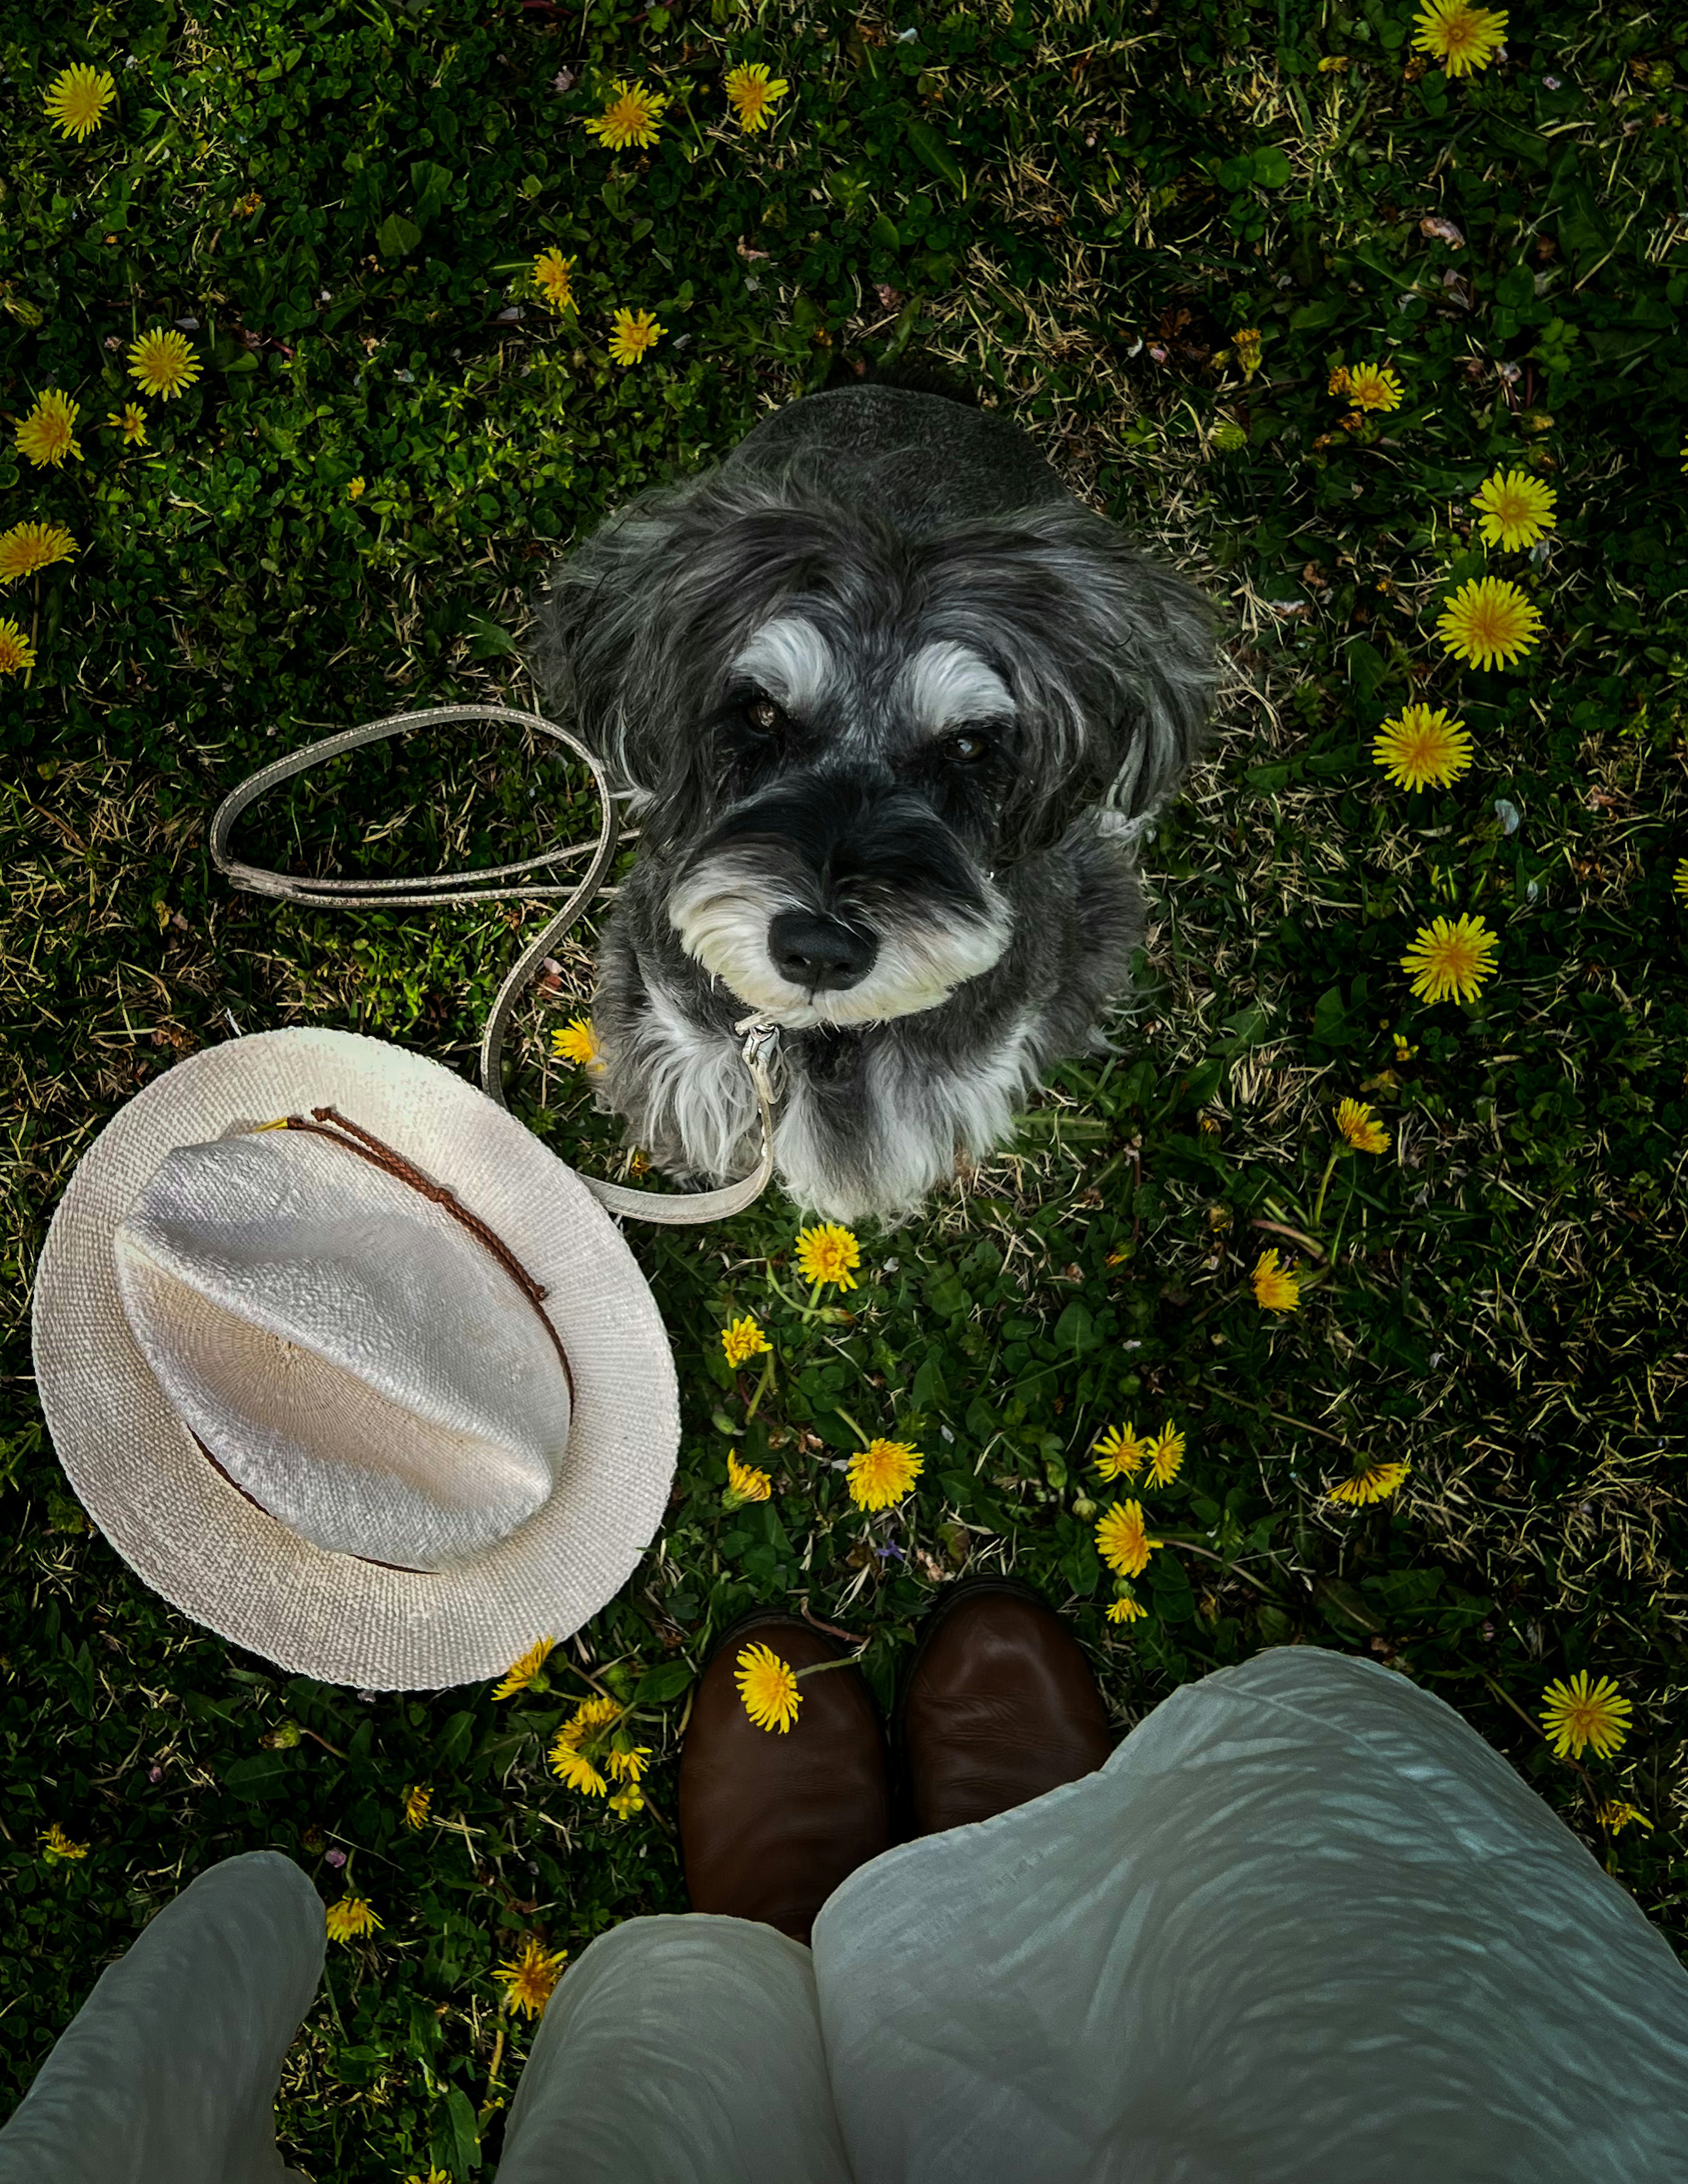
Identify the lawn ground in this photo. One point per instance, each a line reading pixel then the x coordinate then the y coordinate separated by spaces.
pixel 1077 209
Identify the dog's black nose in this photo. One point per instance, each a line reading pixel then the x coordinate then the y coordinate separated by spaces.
pixel 820 953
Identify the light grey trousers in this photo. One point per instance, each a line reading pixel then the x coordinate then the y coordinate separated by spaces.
pixel 1304 1927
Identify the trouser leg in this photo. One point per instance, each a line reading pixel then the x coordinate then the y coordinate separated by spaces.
pixel 1304 1927
pixel 167 2074
pixel 678 2051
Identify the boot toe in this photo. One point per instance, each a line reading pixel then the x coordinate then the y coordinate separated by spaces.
pixel 1001 1707
pixel 772 1821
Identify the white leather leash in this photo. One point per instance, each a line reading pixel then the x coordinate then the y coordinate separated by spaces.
pixel 760 1040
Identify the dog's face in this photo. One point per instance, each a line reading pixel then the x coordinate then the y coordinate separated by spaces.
pixel 845 874
pixel 843 739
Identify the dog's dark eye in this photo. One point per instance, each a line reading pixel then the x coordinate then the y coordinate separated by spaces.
pixel 763 717
pixel 965 748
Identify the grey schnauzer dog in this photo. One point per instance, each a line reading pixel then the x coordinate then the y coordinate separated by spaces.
pixel 893 706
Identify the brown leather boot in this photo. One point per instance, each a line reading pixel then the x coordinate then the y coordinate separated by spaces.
pixel 771 1821
pixel 999 1706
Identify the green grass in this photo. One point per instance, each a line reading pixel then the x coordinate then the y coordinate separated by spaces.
pixel 1075 208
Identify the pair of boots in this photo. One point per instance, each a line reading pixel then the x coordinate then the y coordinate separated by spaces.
pixel 998 1706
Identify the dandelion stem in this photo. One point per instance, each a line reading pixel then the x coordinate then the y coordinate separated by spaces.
pixel 587 1677
pixel 1324 1183
pixel 863 1438
pixel 1295 1236
pixel 805 1312
pixel 831 1630
pixel 762 1386
pixel 819 1668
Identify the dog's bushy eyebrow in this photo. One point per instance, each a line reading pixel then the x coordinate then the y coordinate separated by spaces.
pixel 945 683
pixel 790 656
pixel 1109 655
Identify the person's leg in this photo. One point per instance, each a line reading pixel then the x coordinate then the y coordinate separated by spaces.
pixel 679 2050
pixel 167 2074
pixel 688 2050
pixel 1305 1924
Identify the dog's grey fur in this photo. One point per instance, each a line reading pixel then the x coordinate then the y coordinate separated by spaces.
pixel 882 566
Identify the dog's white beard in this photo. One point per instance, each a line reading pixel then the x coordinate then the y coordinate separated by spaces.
pixel 722 914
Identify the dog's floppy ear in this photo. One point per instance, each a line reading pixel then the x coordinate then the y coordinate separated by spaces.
pixel 1112 657
pixel 1161 636
pixel 598 629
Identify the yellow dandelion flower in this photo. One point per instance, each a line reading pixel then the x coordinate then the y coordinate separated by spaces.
pixel 551 272
pixel 1374 386
pixel 1361 1127
pixel 245 207
pixel 1122 1539
pixel 27 547
pixel 1338 382
pixel 628 1764
pixel 576 1771
pixel 828 1254
pixel 16 652
pixel 632 333
pixel 1119 1453
pixel 768 1686
pixel 1166 1457
pixel 1460 36
pixel 1450 960
pixel 1419 748
pixel 56 1847
pixel 1582 1713
pixel 355 489
pixel 1680 883
pixel 77 99
pixel 1376 1482
pixel 571 1762
pixel 1127 1607
pixel 1489 620
pixel 743 1340
pixel 350 1917
pixel 48 433
pixel 1404 1051
pixel 528 1674
pixel 1514 509
pixel 531 1979
pixel 131 421
pixel 1615 1815
pixel 751 94
pixel 418 1800
pixel 593 1713
pixel 162 364
pixel 1245 346
pixel 575 1042
pixel 1275 1288
pixel 633 116
pixel 744 1482
pixel 883 1472
pixel 434 2177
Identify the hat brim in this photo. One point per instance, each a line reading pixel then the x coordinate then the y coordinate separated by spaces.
pixel 194 1538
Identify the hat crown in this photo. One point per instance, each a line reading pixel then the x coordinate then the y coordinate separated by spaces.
pixel 352 1358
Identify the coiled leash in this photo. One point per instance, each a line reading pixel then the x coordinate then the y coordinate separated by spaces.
pixel 761 1045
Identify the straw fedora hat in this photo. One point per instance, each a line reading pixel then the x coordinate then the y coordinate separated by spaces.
pixel 384 1398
